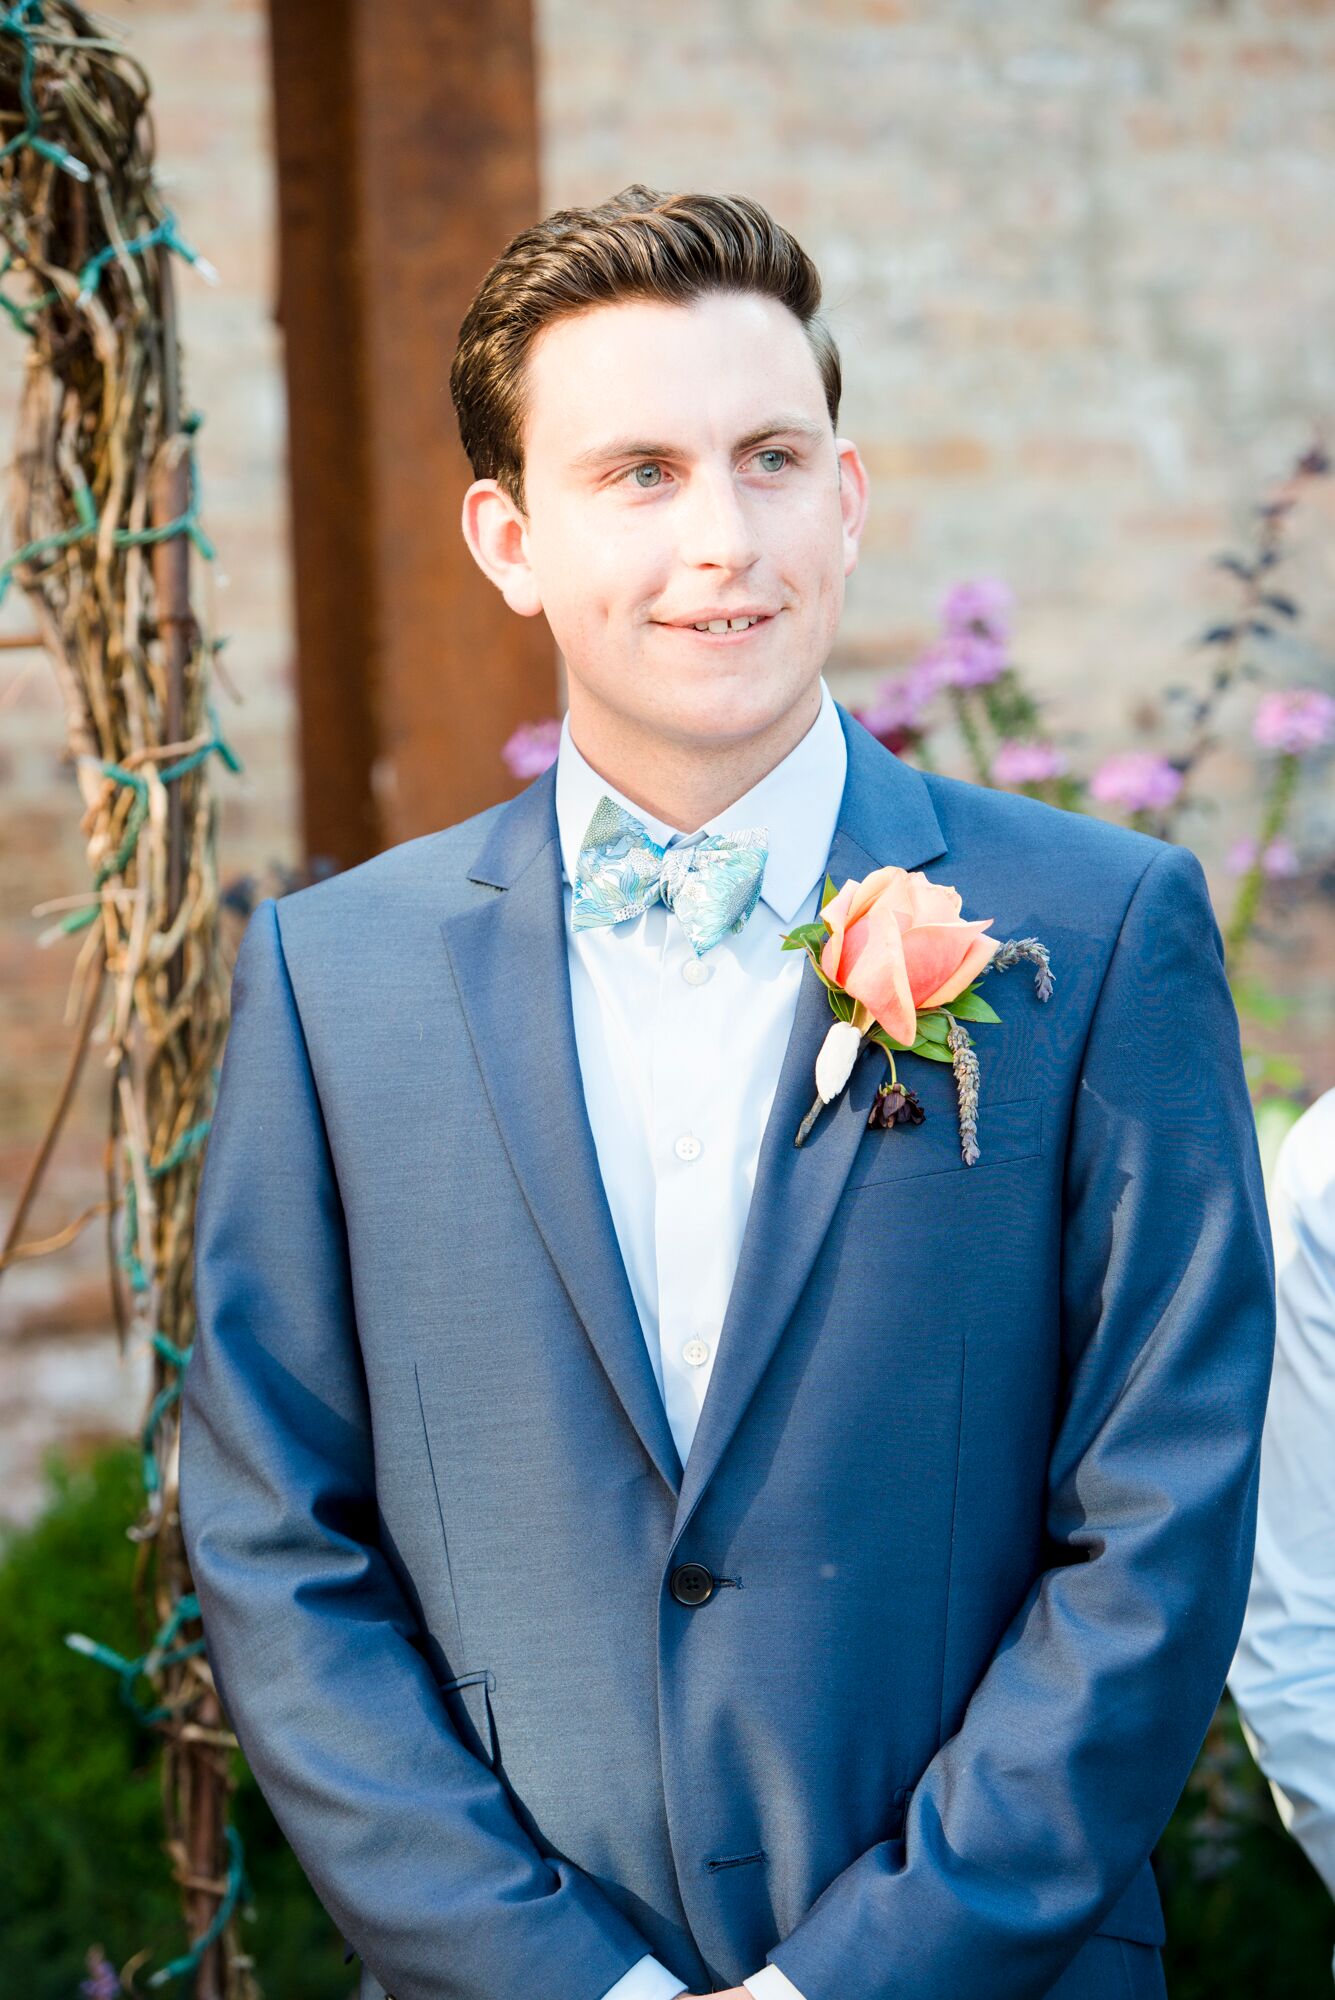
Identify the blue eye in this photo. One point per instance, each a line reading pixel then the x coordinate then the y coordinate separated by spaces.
pixel 652 466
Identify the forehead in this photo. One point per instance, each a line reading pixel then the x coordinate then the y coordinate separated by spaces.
pixel 698 373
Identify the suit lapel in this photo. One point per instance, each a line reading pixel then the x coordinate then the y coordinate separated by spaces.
pixel 509 957
pixel 510 965
pixel 886 815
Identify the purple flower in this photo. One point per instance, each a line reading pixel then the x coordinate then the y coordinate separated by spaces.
pixel 961 660
pixel 1294 720
pixel 532 747
pixel 1279 859
pixel 982 606
pixel 896 705
pixel 1136 780
pixel 1027 763
pixel 104 1983
pixel 927 676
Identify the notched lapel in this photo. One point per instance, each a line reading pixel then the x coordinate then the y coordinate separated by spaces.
pixel 886 817
pixel 508 954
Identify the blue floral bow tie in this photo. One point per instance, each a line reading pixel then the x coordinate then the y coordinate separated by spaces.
pixel 712 885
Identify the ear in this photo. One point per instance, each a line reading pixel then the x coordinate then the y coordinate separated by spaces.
pixel 497 536
pixel 854 488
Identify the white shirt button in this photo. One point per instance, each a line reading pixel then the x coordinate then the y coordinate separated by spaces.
pixel 695 972
pixel 695 1351
pixel 688 1147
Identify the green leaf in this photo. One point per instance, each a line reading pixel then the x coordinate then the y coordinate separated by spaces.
pixel 971 1006
pixel 805 935
pixel 824 978
pixel 932 1027
pixel 827 892
pixel 933 1051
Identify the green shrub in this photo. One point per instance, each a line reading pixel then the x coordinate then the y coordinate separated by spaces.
pixel 81 1854
pixel 1247 1913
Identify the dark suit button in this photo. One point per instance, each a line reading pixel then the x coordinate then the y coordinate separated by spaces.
pixel 691 1583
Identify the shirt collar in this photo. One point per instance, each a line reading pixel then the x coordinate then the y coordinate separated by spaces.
pixel 798 801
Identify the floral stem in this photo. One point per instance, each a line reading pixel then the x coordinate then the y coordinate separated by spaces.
pixel 808 1121
pixel 969 730
pixel 1249 889
pixel 816 1108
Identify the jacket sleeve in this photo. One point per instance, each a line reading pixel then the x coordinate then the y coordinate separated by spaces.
pixel 407 1838
pixel 1030 1821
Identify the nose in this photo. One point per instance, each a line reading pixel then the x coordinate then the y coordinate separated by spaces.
pixel 717 527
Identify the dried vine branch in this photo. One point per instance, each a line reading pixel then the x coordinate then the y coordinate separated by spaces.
pixel 105 520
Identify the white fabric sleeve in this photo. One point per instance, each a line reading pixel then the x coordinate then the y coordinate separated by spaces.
pixel 771 1984
pixel 1283 1673
pixel 648 1979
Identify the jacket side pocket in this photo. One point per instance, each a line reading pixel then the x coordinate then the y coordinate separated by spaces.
pixel 468 1703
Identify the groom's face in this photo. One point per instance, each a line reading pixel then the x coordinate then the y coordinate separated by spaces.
pixel 680 465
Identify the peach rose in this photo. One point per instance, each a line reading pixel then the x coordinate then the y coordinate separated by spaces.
pixel 897 943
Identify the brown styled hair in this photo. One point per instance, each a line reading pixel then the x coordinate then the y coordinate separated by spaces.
pixel 638 245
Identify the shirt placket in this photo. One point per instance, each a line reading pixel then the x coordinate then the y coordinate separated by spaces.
pixel 691 1178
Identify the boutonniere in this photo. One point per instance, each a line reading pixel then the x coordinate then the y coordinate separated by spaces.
pixel 898 964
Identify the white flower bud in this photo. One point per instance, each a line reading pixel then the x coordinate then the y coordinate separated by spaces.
pixel 834 1064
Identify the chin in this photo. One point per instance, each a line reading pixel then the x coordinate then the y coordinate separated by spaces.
pixel 737 723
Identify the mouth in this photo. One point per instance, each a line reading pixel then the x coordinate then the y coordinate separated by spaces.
pixel 725 631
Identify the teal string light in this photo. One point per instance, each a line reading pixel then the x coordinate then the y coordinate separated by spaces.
pixel 238 1891
pixel 162 1653
pixel 161 232
pixel 24 317
pixel 16 23
pixel 78 920
pixel 134 820
pixel 130 1260
pixel 178 1356
pixel 189 1142
pixel 122 538
pixel 148 1460
pixel 86 527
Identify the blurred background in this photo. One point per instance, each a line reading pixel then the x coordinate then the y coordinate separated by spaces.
pixel 1078 261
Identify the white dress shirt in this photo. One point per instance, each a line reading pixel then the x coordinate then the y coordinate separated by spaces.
pixel 1283 1673
pixel 680 1060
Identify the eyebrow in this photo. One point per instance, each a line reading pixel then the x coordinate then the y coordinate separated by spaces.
pixel 785 425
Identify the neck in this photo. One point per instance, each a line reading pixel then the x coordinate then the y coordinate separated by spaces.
pixel 683 780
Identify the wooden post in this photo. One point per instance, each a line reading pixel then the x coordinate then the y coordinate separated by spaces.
pixel 406 145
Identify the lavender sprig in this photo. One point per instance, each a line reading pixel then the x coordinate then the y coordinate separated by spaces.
pixel 1016 949
pixel 964 1058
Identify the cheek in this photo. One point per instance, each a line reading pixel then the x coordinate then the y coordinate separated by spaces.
pixel 812 556
pixel 594 576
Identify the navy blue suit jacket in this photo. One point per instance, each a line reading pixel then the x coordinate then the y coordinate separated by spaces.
pixel 975 1474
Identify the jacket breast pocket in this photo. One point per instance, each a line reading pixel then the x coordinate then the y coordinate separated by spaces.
pixel 1006 1133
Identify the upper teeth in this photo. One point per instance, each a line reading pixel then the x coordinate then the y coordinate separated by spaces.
pixel 727 624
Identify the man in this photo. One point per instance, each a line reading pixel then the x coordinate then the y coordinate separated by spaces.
pixel 639 1554
pixel 1281 1676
